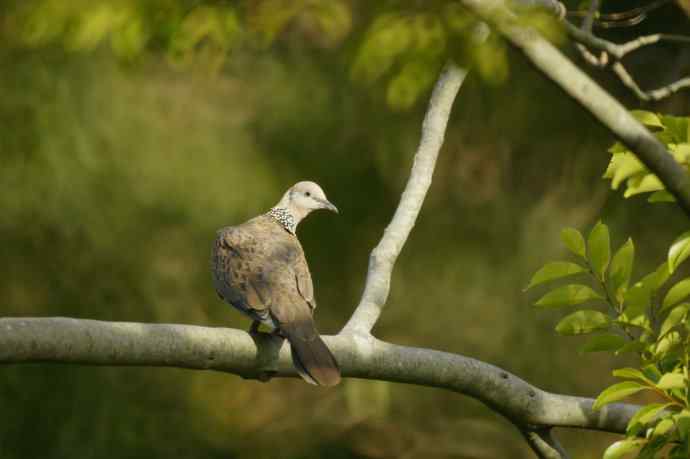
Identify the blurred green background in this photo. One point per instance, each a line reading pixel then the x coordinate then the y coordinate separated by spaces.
pixel 131 131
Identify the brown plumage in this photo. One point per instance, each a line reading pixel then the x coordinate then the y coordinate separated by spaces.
pixel 259 267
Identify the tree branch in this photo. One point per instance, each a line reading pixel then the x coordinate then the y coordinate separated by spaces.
pixel 382 258
pixel 618 51
pixel 544 444
pixel 607 110
pixel 92 342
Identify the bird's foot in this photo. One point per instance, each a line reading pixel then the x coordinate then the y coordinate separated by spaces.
pixel 278 333
pixel 254 330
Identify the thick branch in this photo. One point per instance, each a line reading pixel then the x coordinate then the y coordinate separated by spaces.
pixel 91 342
pixel 382 258
pixel 607 110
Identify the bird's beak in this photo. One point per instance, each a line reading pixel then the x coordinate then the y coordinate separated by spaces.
pixel 329 206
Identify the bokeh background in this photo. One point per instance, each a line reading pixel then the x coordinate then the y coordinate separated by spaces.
pixel 131 131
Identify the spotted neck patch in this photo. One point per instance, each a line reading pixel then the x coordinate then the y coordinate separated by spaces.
pixel 284 217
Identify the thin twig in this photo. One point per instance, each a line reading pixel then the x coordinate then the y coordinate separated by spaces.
pixel 647 40
pixel 382 258
pixel 589 18
pixel 543 443
pixel 618 51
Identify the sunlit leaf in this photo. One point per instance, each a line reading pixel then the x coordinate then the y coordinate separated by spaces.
pixel 621 268
pixel 617 392
pixel 553 271
pixel 643 184
pixel 679 251
pixel 645 415
pixel 631 373
pixel 490 59
pixel 675 317
pixel 661 196
pixel 676 128
pixel 676 294
pixel 387 39
pixel 585 321
pixel 668 344
pixel 623 447
pixel 415 77
pixel 681 152
pixel 599 249
pixel 622 166
pixel 603 343
pixel 663 427
pixel 671 381
pixel 568 295
pixel 574 241
pixel 647 118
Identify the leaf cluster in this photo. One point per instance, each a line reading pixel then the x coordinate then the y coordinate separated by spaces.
pixel 624 167
pixel 648 317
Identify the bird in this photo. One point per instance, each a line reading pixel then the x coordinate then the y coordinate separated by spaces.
pixel 259 267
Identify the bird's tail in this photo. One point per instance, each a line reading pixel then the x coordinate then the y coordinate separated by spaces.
pixel 312 359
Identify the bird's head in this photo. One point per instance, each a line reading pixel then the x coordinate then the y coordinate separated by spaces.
pixel 303 198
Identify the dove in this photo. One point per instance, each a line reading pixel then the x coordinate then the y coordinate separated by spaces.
pixel 259 267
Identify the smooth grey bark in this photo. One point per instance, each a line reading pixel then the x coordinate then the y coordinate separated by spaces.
pixel 586 92
pixel 382 258
pixel 544 443
pixel 92 342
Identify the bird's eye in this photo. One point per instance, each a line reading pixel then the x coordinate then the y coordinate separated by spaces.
pixel 308 193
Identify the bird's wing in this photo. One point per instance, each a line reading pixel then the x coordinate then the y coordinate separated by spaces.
pixel 239 275
pixel 304 283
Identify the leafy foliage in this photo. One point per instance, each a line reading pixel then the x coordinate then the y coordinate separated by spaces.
pixel 624 166
pixel 631 318
pixel 403 46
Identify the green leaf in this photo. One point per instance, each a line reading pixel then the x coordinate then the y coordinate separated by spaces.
pixel 652 373
pixel 603 343
pixel 637 299
pixel 599 249
pixel 581 322
pixel 622 166
pixel 671 381
pixel 621 268
pixel 659 277
pixel 631 373
pixel 643 184
pixel 679 251
pixel 663 427
pixel 632 346
pixel 675 317
pixel 683 422
pixel 574 241
pixel 646 414
pixel 553 271
pixel 647 118
pixel 676 128
pixel 661 196
pixel 623 447
pixel 568 295
pixel 617 392
pixel 681 152
pixel 676 294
